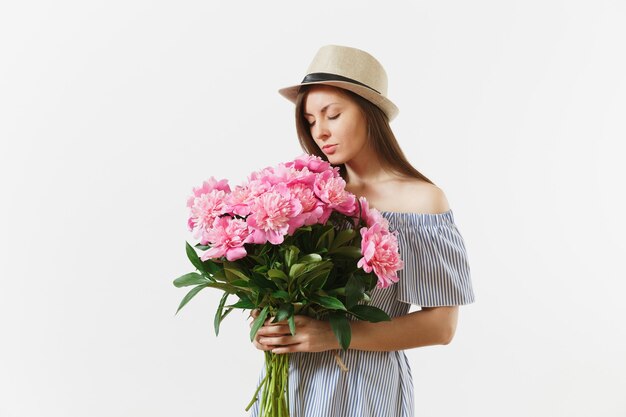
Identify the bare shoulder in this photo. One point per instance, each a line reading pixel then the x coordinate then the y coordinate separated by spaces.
pixel 422 197
pixel 409 195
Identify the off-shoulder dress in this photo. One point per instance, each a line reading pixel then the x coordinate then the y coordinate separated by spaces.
pixel 379 384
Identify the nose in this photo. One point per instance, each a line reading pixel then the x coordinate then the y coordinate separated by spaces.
pixel 320 130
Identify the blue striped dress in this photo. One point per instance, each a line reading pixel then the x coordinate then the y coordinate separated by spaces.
pixel 436 273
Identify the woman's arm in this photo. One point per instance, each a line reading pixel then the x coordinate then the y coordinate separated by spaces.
pixel 429 326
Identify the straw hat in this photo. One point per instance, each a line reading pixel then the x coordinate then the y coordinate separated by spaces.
pixel 351 69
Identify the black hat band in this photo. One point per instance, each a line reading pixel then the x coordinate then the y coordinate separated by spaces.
pixel 324 76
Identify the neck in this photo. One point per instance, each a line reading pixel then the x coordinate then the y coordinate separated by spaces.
pixel 364 170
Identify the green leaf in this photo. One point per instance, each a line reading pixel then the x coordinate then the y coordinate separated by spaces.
pixel 211 267
pixel 369 313
pixel 354 291
pixel 258 322
pixel 330 238
pixel 302 229
pixel 316 273
pixel 343 237
pixel 277 274
pixel 337 291
pixel 192 293
pixel 232 268
pixel 284 312
pixel 317 279
pixel 291 255
pixel 326 239
pixel 348 251
pixel 193 257
pixel 265 248
pixel 331 303
pixel 341 327
pixel 243 304
pixel 227 312
pixel 281 294
pixel 221 286
pixel 260 269
pixel 240 283
pixel 369 280
pixel 192 278
pixel 292 325
pixel 296 270
pixel 311 257
pixel 262 282
pixel 219 275
pixel 218 314
pixel 231 275
pixel 258 259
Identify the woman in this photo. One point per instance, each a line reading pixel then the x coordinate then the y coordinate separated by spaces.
pixel 342 115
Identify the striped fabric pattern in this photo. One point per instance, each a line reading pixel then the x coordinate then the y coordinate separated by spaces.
pixel 436 270
pixel 436 273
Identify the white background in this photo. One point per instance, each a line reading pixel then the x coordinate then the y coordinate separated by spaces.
pixel 111 111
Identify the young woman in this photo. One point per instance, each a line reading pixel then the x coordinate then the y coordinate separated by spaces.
pixel 343 115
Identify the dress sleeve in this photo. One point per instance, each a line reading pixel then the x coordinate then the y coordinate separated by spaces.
pixel 436 269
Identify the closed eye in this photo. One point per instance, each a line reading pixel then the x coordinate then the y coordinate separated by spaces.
pixel 311 124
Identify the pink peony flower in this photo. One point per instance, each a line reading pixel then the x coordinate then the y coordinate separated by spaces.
pixel 264 173
pixel 206 204
pixel 208 186
pixel 271 214
pixel 371 215
pixel 273 175
pixel 227 236
pixel 380 254
pixel 313 163
pixel 241 199
pixel 331 190
pixel 312 207
pixel 238 201
pixel 284 175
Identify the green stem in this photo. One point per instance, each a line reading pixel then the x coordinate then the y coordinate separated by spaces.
pixel 274 399
pixel 254 397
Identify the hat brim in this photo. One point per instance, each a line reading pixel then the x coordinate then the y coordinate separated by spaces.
pixel 390 109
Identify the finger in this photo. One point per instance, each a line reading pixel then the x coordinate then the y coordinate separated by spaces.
pixel 261 346
pixel 277 340
pixel 263 343
pixel 270 322
pixel 300 320
pixel 285 349
pixel 274 330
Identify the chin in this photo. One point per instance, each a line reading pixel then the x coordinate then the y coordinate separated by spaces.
pixel 335 159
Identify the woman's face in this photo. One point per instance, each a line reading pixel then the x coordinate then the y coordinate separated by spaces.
pixel 337 124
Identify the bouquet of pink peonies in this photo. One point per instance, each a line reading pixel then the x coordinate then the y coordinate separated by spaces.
pixel 291 240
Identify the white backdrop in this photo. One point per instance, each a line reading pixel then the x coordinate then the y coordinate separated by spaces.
pixel 111 111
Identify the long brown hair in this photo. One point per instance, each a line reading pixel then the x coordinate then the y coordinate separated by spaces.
pixel 379 135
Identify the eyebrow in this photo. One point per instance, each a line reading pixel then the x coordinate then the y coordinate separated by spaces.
pixel 323 109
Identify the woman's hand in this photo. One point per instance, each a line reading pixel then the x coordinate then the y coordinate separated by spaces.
pixel 426 327
pixel 311 335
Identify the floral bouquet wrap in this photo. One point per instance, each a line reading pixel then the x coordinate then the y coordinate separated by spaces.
pixel 291 240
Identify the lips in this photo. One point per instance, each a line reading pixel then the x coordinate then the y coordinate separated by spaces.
pixel 329 149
